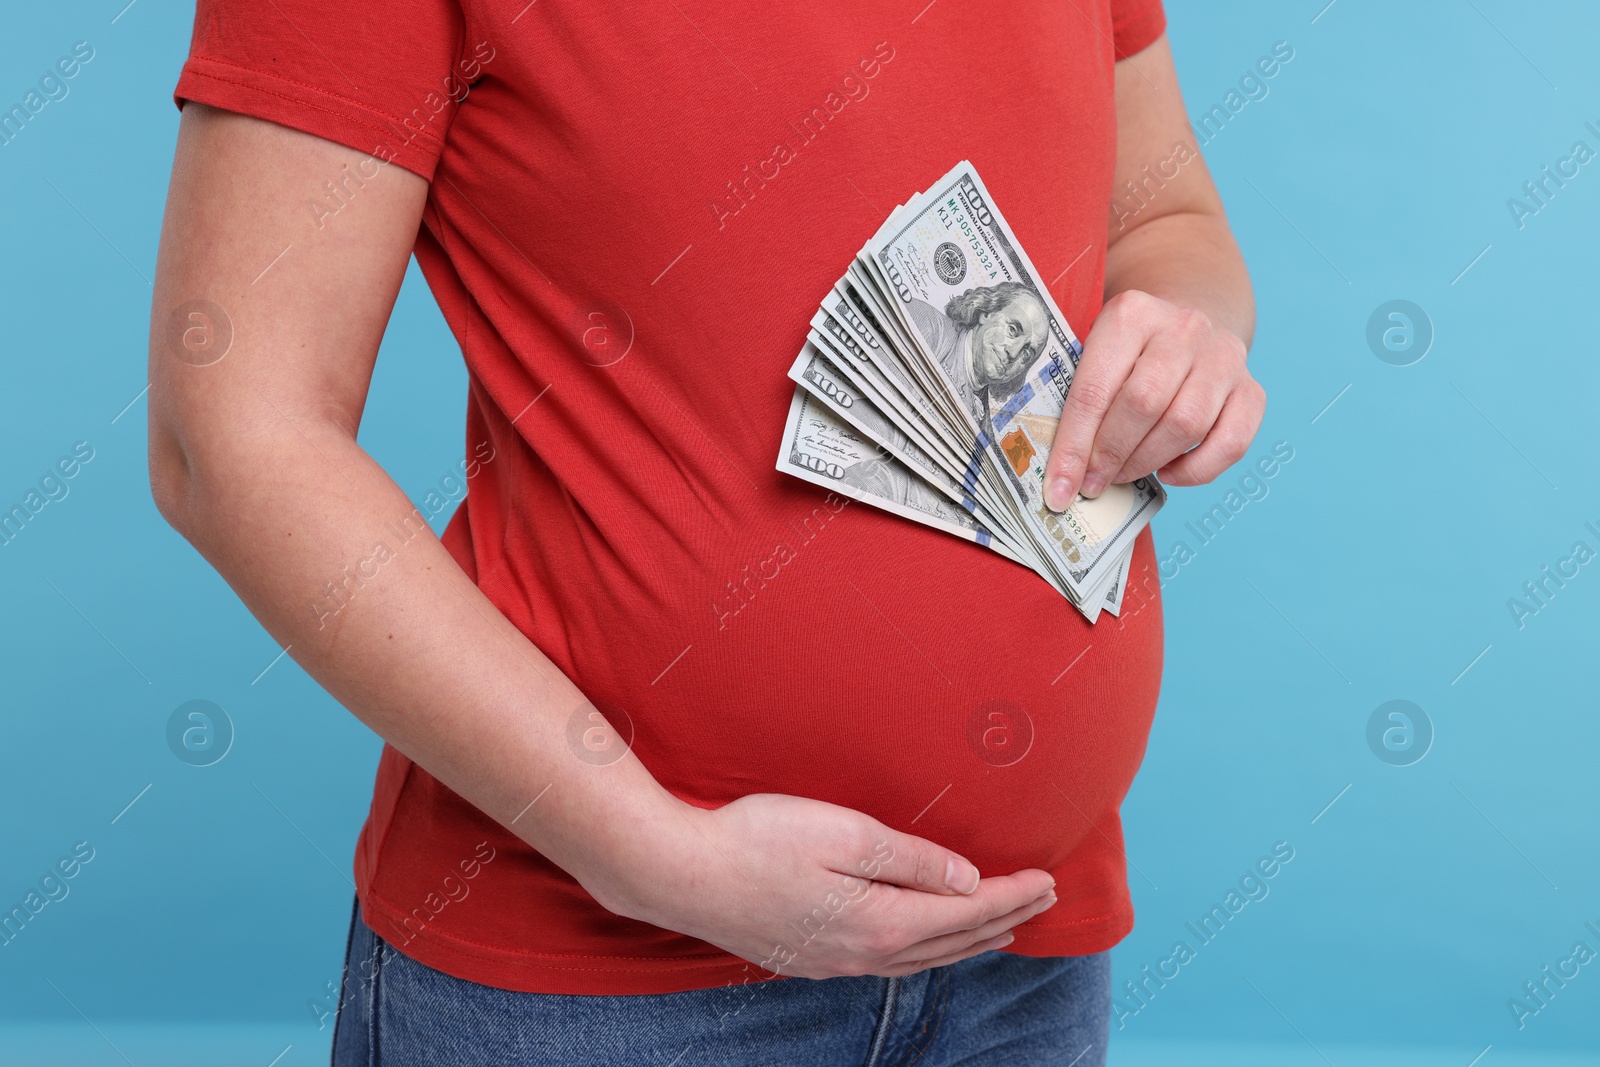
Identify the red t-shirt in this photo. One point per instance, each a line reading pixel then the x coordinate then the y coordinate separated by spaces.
pixel 635 210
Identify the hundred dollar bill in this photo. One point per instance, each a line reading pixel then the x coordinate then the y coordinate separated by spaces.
pixel 819 376
pixel 822 449
pixel 842 347
pixel 952 273
pixel 892 486
pixel 825 386
pixel 842 360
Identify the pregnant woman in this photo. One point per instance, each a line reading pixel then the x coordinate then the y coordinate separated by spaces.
pixel 685 761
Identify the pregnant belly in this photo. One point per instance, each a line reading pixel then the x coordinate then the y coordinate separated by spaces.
pixel 957 699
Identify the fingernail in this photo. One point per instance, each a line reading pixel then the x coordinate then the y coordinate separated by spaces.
pixel 1050 901
pixel 960 876
pixel 1008 939
pixel 1092 484
pixel 1058 493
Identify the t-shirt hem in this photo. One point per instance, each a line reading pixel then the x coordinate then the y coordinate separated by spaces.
pixel 308 109
pixel 1074 937
pixel 598 975
pixel 527 972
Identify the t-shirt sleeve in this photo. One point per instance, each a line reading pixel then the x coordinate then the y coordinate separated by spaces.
pixel 1135 25
pixel 383 77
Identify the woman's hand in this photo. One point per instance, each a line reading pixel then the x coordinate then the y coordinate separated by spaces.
pixel 814 890
pixel 1158 388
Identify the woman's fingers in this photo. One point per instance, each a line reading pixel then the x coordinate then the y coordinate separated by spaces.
pixel 1184 423
pixel 1109 352
pixel 1235 427
pixel 948 944
pixel 1157 378
pixel 1150 385
pixel 898 970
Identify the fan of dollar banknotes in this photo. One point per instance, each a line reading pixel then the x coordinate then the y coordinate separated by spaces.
pixel 931 383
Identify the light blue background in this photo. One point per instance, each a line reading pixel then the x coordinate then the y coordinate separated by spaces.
pixel 1378 567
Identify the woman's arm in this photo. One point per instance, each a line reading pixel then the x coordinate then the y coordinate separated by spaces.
pixel 253 459
pixel 1163 368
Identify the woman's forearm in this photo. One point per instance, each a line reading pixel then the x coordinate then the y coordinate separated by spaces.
pixel 326 551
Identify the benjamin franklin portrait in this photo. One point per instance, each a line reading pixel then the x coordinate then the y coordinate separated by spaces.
pixel 986 338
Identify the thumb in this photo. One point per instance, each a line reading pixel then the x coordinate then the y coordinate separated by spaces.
pixel 917 863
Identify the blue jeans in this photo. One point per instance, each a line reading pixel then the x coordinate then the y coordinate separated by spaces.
pixel 994 1008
